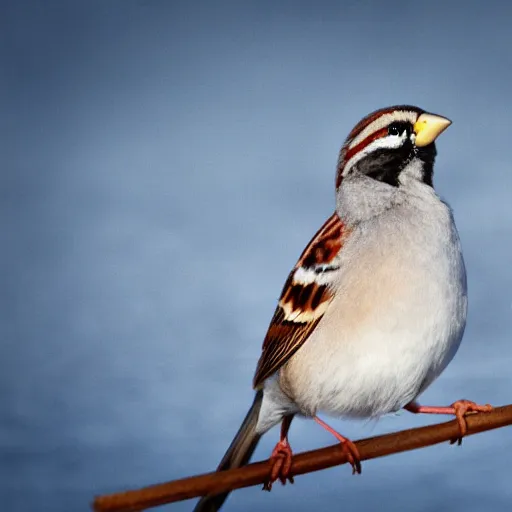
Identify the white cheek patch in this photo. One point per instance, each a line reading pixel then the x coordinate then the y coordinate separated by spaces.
pixel 388 142
pixel 383 121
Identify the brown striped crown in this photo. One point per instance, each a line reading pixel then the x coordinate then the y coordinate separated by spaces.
pixel 372 127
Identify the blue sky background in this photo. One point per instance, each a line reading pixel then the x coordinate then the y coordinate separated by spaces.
pixel 163 165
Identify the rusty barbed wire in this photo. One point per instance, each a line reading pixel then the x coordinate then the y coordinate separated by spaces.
pixel 307 462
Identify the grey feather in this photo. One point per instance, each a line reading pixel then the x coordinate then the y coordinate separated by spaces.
pixel 238 454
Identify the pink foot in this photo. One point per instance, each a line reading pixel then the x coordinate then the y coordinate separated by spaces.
pixel 352 454
pixel 459 409
pixel 348 447
pixel 280 464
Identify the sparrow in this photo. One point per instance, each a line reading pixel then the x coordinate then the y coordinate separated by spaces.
pixel 374 309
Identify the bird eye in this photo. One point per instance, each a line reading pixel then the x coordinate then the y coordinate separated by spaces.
pixel 396 128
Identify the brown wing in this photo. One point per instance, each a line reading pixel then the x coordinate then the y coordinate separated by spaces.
pixel 304 299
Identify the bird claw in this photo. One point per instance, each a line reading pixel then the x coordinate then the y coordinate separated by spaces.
pixel 348 447
pixel 280 465
pixel 461 408
pixel 352 454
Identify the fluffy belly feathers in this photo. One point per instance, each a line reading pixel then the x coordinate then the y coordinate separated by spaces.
pixel 385 338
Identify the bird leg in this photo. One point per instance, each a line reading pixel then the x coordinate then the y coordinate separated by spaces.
pixel 349 448
pixel 459 409
pixel 281 458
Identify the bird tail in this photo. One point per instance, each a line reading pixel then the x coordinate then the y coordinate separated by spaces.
pixel 238 454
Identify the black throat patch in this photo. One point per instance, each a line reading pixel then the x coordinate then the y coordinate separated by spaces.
pixel 386 164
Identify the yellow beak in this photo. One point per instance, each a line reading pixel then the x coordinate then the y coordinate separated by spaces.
pixel 428 127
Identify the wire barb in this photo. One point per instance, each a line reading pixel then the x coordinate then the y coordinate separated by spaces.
pixel 307 462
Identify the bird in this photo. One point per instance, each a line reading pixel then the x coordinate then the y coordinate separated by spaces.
pixel 375 307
